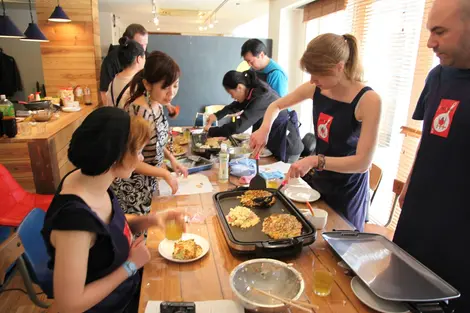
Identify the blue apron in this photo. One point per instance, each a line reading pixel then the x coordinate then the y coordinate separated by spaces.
pixel 337 132
pixel 436 212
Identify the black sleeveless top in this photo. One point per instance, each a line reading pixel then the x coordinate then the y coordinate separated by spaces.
pixel 110 251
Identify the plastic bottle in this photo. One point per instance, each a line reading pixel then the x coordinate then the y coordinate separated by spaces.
pixel 6 107
pixel 223 163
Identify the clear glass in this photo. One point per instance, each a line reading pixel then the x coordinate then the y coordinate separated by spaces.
pixel 41 128
pixel 323 279
pixel 173 230
pixel 24 129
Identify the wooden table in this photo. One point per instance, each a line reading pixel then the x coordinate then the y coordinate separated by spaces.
pixel 39 161
pixel 208 278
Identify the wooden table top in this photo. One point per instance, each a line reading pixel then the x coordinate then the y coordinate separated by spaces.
pixel 53 126
pixel 208 278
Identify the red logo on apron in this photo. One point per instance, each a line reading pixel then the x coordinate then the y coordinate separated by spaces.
pixel 443 118
pixel 324 124
pixel 127 232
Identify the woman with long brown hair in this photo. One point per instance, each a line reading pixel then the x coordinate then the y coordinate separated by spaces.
pixel 156 85
pixel 346 116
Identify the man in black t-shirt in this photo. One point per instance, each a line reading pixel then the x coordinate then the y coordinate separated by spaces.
pixel 111 66
pixel 436 208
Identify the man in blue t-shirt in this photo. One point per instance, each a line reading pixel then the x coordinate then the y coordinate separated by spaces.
pixel 254 52
pixel 436 207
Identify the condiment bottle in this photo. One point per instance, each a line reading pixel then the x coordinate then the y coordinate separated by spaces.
pixel 87 96
pixel 223 163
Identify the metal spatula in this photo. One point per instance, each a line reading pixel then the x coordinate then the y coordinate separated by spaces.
pixel 257 182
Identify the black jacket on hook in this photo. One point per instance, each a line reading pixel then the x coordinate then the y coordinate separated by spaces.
pixel 10 79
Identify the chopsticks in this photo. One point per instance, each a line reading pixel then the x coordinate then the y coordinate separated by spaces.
pixel 310 208
pixel 306 307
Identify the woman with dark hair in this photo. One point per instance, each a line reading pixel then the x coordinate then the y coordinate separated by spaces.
pixel 151 88
pixel 252 97
pixel 131 56
pixel 93 254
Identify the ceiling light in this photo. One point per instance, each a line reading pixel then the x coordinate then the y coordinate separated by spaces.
pixel 201 28
pixel 33 33
pixel 205 28
pixel 158 28
pixel 7 28
pixel 211 25
pixel 155 20
pixel 59 15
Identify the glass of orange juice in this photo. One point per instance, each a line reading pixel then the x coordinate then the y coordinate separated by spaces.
pixel 273 183
pixel 173 230
pixel 323 280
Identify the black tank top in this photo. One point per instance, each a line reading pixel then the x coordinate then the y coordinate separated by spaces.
pixel 110 251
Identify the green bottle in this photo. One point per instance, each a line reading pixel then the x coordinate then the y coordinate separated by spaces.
pixel 6 107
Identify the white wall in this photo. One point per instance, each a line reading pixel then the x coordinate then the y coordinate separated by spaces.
pixel 110 31
pixel 288 47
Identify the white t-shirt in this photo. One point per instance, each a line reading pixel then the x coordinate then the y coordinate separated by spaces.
pixel 118 85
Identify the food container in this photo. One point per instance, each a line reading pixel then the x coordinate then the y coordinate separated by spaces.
pixel 194 164
pixel 239 152
pixel 318 220
pixel 268 275
pixel 42 115
pixel 66 95
pixel 198 141
pixel 252 241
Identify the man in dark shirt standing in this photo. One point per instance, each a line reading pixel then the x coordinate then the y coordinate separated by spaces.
pixel 111 66
pixel 436 207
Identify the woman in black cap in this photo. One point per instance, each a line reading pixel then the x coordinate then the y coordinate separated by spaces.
pixel 151 88
pixel 94 257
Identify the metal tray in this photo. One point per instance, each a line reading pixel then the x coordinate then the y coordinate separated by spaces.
pixel 200 165
pixel 198 139
pixel 253 240
pixel 390 272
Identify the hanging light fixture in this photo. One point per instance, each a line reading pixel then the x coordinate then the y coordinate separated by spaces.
pixel 33 33
pixel 7 28
pixel 59 15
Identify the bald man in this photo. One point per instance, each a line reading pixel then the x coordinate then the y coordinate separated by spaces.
pixel 434 226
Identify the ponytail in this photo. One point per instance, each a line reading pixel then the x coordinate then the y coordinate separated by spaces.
pixel 352 67
pixel 247 78
pixel 136 87
pixel 324 52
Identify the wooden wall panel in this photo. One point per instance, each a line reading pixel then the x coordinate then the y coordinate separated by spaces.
pixel 321 8
pixel 72 55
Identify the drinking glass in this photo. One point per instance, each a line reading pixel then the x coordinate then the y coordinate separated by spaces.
pixel 323 280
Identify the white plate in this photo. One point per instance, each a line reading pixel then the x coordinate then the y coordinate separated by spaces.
pixel 371 300
pixel 265 153
pixel 166 247
pixel 302 194
pixel 71 109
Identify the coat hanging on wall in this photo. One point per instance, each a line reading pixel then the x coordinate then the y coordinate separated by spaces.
pixel 10 79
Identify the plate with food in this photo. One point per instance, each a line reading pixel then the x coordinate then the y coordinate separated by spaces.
pixel 189 248
pixel 181 140
pixel 178 150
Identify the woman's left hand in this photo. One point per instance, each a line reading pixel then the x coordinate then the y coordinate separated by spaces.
pixel 180 169
pixel 169 215
pixel 302 167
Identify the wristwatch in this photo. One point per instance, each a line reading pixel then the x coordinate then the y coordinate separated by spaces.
pixel 130 268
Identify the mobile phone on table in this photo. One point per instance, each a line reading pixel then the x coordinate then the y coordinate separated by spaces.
pixel 177 307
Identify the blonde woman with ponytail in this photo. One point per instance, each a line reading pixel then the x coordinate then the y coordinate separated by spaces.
pixel 346 116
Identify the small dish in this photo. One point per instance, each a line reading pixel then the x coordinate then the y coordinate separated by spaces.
pixel 371 300
pixel 302 194
pixel 71 109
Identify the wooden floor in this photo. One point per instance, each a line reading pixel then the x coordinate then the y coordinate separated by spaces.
pixel 17 301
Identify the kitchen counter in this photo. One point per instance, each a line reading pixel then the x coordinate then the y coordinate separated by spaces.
pixel 39 161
